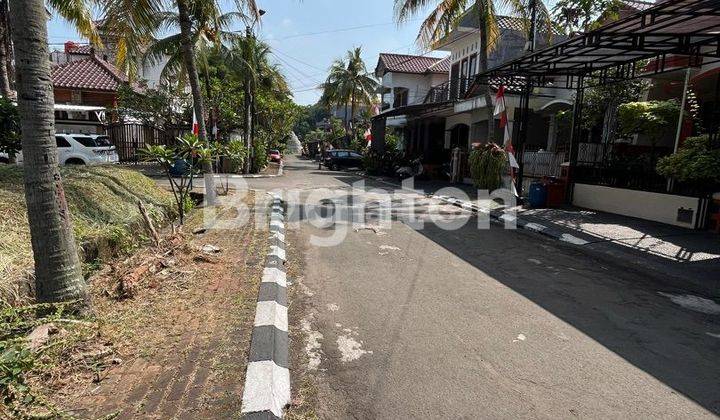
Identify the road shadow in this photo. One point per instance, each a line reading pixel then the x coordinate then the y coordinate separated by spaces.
pixel 624 313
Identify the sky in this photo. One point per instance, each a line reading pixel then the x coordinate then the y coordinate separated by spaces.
pixel 307 35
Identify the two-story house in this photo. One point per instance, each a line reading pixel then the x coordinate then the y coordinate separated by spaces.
pixel 453 113
pixel 406 80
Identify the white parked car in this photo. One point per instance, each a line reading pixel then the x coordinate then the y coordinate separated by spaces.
pixel 80 149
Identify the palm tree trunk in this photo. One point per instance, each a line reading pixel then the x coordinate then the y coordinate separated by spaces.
pixel 5 89
pixel 248 91
pixel 352 117
pixel 189 58
pixel 347 119
pixel 58 275
pixel 483 60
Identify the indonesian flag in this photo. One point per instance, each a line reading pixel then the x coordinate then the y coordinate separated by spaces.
pixel 196 126
pixel 501 110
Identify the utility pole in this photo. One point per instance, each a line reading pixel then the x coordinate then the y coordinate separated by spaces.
pixel 525 102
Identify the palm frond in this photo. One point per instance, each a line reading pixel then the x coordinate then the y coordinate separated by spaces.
pixel 78 13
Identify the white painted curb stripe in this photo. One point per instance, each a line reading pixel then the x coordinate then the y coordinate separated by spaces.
pixel 267 387
pixel 507 217
pixel 573 239
pixel 274 275
pixel 271 313
pixel 535 227
pixel 279 236
pixel 276 251
pixel 277 224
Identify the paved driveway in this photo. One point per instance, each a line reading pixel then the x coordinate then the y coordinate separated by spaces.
pixel 489 323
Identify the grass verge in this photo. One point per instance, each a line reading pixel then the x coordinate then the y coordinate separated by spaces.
pixel 103 202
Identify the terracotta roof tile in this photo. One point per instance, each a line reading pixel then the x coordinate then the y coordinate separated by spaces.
pixel 80 49
pixel 89 73
pixel 413 63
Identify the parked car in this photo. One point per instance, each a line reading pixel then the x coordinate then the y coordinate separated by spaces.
pixel 337 159
pixel 274 156
pixel 80 149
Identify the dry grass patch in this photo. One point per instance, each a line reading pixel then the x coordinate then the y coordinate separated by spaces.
pixel 167 337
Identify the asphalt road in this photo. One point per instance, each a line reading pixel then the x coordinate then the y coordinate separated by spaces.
pixel 487 323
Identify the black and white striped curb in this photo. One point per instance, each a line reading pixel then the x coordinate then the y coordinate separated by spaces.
pixel 267 381
pixel 521 223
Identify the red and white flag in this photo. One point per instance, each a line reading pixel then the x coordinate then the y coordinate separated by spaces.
pixel 196 126
pixel 501 110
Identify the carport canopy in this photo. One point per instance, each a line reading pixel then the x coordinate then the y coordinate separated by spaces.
pixel 622 49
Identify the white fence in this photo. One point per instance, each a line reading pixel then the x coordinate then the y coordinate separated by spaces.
pixel 543 163
pixel 539 164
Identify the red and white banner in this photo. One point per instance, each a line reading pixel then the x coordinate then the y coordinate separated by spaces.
pixel 195 126
pixel 501 110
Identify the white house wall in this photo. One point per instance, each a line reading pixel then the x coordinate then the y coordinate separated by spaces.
pixel 418 86
pixel 641 204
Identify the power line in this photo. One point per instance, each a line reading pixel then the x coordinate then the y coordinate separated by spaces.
pixel 347 29
pixel 299 60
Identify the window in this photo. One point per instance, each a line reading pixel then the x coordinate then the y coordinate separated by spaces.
pixel 473 65
pixel 342 154
pixel 355 155
pixel 87 141
pixel 61 142
pixel 401 97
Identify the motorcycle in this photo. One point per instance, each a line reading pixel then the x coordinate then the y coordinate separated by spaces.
pixel 414 168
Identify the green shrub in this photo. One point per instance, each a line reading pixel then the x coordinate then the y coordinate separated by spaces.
pixel 697 160
pixel 487 164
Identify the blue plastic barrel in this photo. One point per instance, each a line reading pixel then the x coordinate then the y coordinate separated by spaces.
pixel 537 195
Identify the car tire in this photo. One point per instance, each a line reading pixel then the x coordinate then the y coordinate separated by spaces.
pixel 74 161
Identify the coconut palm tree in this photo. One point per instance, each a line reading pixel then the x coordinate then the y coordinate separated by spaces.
pixel 446 15
pixel 248 58
pixel 210 33
pixel 58 274
pixel 349 82
pixel 139 19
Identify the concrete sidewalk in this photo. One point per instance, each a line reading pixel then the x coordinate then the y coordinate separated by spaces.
pixel 689 260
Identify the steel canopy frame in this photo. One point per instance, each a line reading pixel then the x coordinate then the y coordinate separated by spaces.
pixel 677 27
pixel 671 35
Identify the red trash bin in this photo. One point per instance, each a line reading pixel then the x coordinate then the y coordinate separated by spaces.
pixel 556 192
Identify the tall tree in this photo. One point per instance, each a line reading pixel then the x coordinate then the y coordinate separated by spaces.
pixel 349 84
pixel 58 274
pixel 5 89
pixel 448 13
pixel 192 73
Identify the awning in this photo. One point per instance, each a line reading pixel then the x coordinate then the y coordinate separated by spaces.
pixel 619 50
pixel 412 110
pixel 78 108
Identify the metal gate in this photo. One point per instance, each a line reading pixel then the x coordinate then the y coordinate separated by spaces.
pixel 128 138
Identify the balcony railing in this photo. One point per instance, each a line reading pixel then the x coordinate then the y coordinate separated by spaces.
pixel 450 91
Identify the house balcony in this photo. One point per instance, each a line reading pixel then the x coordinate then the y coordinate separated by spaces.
pixel 450 91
